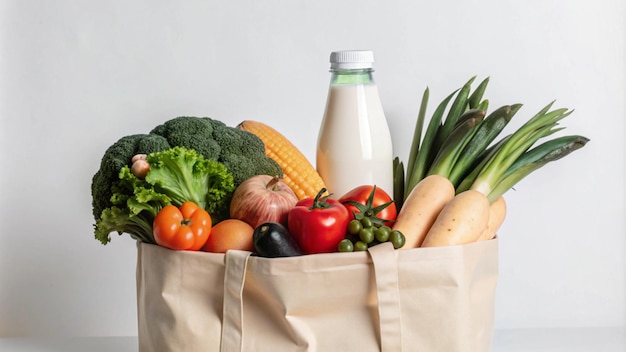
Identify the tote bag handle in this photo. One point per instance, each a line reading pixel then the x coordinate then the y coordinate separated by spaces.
pixel 387 290
pixel 234 279
pixel 388 294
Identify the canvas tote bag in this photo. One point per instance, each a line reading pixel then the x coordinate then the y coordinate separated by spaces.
pixel 426 299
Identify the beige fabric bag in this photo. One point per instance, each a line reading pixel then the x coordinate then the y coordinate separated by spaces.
pixel 426 299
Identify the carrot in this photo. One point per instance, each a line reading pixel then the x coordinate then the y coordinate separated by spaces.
pixel 461 221
pixel 497 213
pixel 421 208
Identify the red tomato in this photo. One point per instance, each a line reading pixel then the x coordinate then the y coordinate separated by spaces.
pixel 376 206
pixel 187 227
pixel 318 224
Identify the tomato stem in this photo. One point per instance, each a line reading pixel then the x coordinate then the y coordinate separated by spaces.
pixel 368 210
pixel 319 202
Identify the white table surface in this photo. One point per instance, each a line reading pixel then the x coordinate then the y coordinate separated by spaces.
pixel 514 340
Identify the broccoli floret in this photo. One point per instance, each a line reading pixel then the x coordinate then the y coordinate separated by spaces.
pixel 240 151
pixel 193 133
pixel 184 175
pixel 243 153
pixel 114 159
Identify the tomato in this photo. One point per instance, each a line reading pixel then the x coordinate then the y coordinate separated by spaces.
pixel 374 201
pixel 319 224
pixel 187 227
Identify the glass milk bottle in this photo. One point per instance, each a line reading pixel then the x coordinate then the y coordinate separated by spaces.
pixel 354 144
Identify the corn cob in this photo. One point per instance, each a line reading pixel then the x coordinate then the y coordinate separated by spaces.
pixel 299 173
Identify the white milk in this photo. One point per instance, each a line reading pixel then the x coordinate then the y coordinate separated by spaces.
pixel 354 145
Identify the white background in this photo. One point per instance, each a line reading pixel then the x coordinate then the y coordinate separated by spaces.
pixel 77 75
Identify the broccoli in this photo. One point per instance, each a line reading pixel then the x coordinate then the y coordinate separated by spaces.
pixel 243 153
pixel 176 175
pixel 114 159
pixel 191 132
pixel 240 151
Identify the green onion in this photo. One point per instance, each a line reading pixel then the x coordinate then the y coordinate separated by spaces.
pixel 426 152
pixel 464 147
pixel 453 145
pixel 486 132
pixel 484 105
pixel 475 100
pixel 485 156
pixel 458 107
pixel 471 113
pixel 398 182
pixel 534 159
pixel 541 125
pixel 417 135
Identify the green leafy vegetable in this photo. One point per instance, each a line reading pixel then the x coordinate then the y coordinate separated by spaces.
pixel 464 147
pixel 184 175
pixel 176 175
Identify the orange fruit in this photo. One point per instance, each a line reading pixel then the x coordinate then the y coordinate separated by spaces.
pixel 230 234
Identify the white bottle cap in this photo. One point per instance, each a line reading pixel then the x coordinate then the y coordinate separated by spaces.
pixel 351 59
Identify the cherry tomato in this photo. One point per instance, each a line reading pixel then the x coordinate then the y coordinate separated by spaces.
pixel 362 194
pixel 187 227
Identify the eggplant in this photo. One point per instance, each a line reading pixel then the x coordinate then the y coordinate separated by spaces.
pixel 273 240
